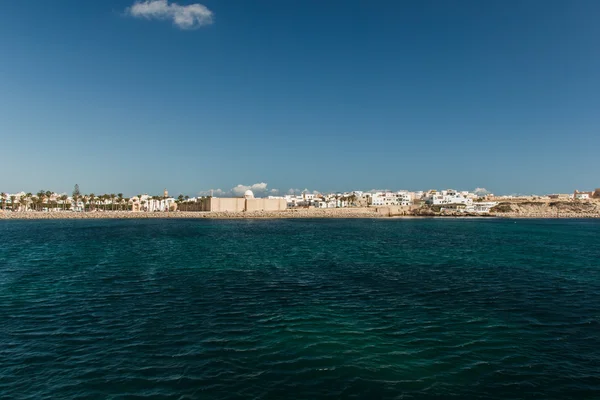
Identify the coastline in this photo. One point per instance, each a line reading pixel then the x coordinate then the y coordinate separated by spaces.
pixel 366 213
pixel 286 214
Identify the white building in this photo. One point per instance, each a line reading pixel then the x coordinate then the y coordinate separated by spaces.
pixel 582 195
pixel 482 206
pixel 150 204
pixel 449 196
pixel 401 198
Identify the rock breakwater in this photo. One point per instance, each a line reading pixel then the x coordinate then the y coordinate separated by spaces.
pixel 291 213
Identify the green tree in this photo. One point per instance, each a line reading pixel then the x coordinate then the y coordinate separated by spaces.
pixel 12 202
pixel 120 197
pixel 40 199
pixel 63 200
pixel 48 199
pixel 76 195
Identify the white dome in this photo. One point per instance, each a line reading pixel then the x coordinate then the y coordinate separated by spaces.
pixel 248 194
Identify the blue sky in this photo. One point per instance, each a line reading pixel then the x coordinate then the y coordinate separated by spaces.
pixel 324 95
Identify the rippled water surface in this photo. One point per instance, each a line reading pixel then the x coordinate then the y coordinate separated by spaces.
pixel 186 309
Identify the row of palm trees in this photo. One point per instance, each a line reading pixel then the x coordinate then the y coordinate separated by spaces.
pixel 105 202
pixel 183 202
pixel 45 199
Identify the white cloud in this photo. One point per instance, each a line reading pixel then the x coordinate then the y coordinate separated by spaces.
pixel 274 191
pixel 239 190
pixel 213 192
pixel 481 191
pixel 192 16
pixel 294 191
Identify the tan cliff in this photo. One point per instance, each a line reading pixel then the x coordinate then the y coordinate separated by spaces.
pixel 548 209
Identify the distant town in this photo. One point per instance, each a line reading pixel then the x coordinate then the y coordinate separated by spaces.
pixel 451 200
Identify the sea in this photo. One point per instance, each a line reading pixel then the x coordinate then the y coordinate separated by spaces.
pixel 300 309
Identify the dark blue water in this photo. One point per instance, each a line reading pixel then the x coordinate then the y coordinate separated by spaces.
pixel 185 309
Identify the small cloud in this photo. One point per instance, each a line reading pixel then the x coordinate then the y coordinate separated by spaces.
pixel 481 191
pixel 239 190
pixel 294 191
pixel 377 190
pixel 212 192
pixel 192 16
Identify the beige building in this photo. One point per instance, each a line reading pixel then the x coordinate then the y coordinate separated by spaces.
pixel 242 204
pixel 587 195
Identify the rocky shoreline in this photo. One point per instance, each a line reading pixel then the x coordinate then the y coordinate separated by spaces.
pixel 546 215
pixel 292 213
pixel 372 212
pixel 548 209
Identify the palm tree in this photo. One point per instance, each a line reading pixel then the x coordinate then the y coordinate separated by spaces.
pixel 120 196
pixel 63 200
pixel 40 199
pixel 48 197
pixel 3 200
pixel 92 198
pixel 12 202
pixel 353 199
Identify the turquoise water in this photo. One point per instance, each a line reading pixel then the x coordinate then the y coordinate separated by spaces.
pixel 185 309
